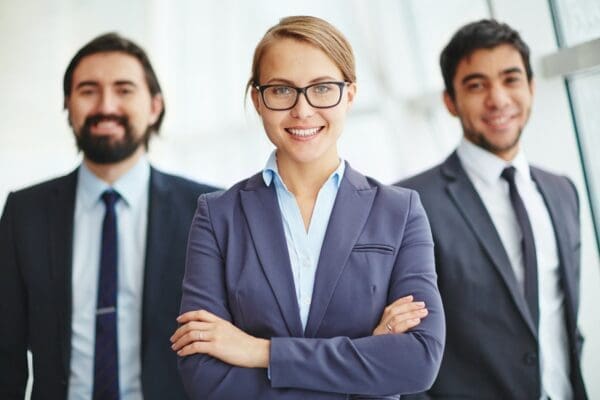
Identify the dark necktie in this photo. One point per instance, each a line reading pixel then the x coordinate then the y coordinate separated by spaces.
pixel 527 244
pixel 106 358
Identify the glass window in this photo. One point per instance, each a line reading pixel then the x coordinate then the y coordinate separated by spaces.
pixel 585 96
pixel 578 20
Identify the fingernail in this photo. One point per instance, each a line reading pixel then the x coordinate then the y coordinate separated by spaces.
pixel 420 303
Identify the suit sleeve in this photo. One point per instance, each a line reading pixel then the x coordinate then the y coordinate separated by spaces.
pixel 341 365
pixel 401 363
pixel 13 309
pixel 203 376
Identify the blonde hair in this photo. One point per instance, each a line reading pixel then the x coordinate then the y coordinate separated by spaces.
pixel 311 30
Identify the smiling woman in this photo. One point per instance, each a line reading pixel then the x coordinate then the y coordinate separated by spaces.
pixel 308 279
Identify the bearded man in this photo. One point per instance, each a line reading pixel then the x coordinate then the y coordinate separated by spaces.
pixel 92 262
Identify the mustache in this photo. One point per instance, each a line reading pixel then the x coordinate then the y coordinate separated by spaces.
pixel 96 118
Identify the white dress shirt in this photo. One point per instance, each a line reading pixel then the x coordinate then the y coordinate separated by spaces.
pixel 132 215
pixel 484 169
pixel 304 247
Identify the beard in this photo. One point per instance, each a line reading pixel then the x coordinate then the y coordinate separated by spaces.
pixel 480 140
pixel 106 150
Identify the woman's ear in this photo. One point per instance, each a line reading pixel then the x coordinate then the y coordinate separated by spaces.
pixel 255 100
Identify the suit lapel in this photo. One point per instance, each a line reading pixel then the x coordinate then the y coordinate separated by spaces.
pixel 261 209
pixel 60 211
pixel 470 206
pixel 552 201
pixel 160 223
pixel 349 215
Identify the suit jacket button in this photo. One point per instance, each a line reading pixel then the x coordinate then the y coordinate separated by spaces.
pixel 530 358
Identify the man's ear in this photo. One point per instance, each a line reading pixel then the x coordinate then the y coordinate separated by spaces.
pixel 449 102
pixel 532 87
pixel 156 108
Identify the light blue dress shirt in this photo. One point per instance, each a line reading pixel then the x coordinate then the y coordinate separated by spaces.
pixel 304 247
pixel 132 216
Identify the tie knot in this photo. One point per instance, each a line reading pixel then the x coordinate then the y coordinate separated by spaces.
pixel 509 174
pixel 110 197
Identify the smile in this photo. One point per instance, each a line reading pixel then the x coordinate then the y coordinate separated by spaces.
pixel 304 132
pixel 498 121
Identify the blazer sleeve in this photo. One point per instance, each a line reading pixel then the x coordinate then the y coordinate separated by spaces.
pixel 399 363
pixel 13 328
pixel 368 365
pixel 203 376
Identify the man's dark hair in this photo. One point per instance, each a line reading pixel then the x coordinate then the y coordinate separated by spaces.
pixel 484 34
pixel 110 42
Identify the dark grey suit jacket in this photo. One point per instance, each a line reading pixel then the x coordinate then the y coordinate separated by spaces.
pixel 36 233
pixel 491 344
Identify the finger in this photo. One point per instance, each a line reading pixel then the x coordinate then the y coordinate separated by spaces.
pixel 405 325
pixel 399 318
pixel 192 337
pixel 194 348
pixel 197 315
pixel 407 307
pixel 401 300
pixel 190 326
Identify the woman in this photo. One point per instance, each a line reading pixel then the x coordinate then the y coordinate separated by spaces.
pixel 289 272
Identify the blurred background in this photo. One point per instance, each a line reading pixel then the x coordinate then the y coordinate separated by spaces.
pixel 202 50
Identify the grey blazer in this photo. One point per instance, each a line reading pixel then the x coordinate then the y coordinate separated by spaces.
pixel 491 345
pixel 377 248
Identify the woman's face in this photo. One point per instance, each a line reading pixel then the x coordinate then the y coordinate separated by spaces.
pixel 303 134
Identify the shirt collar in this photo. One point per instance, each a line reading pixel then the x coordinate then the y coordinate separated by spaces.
pixel 488 166
pixel 132 186
pixel 271 171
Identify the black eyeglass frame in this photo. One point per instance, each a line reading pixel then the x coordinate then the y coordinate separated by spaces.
pixel 341 84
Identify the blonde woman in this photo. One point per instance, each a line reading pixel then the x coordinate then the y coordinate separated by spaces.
pixel 289 272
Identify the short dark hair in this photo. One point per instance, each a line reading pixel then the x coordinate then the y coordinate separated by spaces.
pixel 484 34
pixel 110 42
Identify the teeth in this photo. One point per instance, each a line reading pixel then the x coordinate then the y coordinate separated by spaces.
pixel 303 132
pixel 501 120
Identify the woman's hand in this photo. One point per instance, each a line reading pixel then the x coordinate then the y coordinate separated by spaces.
pixel 400 316
pixel 202 332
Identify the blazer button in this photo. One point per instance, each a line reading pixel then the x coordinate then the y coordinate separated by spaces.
pixel 530 358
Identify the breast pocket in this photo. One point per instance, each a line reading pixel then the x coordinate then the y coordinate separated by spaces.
pixel 374 247
pixel 361 293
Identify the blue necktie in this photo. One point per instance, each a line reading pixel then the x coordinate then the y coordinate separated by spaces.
pixel 106 357
pixel 527 245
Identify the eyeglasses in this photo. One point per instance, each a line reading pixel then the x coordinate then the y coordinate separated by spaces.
pixel 318 95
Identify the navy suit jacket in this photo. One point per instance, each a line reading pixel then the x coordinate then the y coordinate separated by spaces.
pixel 491 346
pixel 377 248
pixel 36 232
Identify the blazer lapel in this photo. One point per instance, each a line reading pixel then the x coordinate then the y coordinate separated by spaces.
pixel 469 204
pixel 552 200
pixel 349 215
pixel 260 206
pixel 60 211
pixel 160 222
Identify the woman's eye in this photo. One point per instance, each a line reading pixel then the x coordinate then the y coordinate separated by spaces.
pixel 281 90
pixel 321 89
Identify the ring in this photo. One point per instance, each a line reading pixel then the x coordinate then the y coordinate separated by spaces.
pixel 387 325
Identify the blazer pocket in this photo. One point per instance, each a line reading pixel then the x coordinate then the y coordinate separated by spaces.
pixel 374 248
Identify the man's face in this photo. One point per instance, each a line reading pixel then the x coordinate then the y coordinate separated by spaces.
pixel 110 106
pixel 492 99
